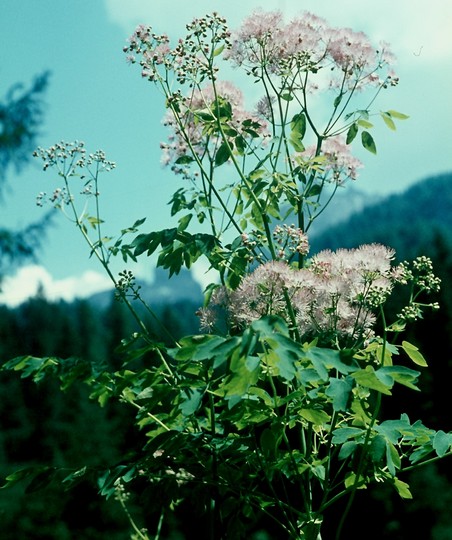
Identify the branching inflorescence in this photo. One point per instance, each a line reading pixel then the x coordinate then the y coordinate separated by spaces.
pixel 286 398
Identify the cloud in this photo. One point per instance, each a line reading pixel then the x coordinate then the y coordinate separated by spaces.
pixel 418 30
pixel 29 279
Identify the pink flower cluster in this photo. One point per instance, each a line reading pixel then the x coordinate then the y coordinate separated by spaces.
pixel 188 127
pixel 332 298
pixel 308 43
pixel 338 164
pixel 290 241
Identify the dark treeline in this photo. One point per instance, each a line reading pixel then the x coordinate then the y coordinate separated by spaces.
pixel 42 425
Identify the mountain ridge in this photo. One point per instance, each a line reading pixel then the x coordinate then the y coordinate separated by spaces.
pixel 407 221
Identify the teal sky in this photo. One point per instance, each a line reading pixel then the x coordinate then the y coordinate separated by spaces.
pixel 96 97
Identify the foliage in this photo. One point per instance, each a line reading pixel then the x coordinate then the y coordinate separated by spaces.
pixel 21 114
pixel 278 416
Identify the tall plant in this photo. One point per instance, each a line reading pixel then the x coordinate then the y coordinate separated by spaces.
pixel 274 409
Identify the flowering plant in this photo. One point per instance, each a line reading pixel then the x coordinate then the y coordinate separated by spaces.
pixel 274 410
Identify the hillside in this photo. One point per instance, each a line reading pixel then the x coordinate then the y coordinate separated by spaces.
pixel 161 291
pixel 409 222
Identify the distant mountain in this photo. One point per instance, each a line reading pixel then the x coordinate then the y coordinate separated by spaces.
pixel 162 291
pixel 346 202
pixel 408 222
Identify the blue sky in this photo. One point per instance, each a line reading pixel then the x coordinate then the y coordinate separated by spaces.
pixel 96 97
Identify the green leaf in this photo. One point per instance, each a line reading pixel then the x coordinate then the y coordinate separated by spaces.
pixel 295 141
pixel 351 133
pixel 351 480
pixel 195 348
pixel 244 373
pixel 298 125
pixel 388 121
pixel 392 458
pixel 364 123
pixel 368 379
pixel 341 435
pixel 283 356
pixel 218 50
pixel 377 448
pixel 184 222
pixel 316 417
pixel 442 442
pixel 94 221
pixel 184 160
pixel 413 352
pixel 191 399
pixel 240 144
pixel 224 109
pixel 222 155
pixel 347 449
pixel 287 97
pixel 314 190
pixel 401 375
pixel 22 474
pixel 368 142
pixel 324 360
pixel 41 480
pixel 75 477
pixel 339 390
pixel 398 115
pixel 283 362
pixel 394 430
pixel 403 489
pixel 318 470
pixel 337 100
pixel 271 325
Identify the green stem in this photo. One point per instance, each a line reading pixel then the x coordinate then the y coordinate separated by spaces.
pixel 141 535
pixel 426 462
pixel 159 525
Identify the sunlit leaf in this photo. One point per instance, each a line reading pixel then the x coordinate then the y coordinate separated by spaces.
pixel 403 489
pixel 218 50
pixel 364 123
pixel 316 417
pixel 398 115
pixel 388 121
pixel 413 352
pixel 368 379
pixel 392 458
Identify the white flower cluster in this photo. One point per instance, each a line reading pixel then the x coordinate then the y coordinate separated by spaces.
pixel 332 298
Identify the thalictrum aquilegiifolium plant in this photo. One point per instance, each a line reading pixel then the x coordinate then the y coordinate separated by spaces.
pixel 273 410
